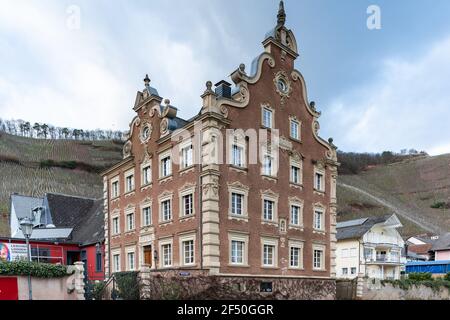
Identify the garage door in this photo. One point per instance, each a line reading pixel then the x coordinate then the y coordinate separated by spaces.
pixel 9 289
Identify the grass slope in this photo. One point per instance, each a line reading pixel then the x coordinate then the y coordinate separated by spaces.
pixel 411 186
pixel 21 169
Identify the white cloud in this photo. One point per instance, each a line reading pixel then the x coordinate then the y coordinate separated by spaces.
pixel 406 105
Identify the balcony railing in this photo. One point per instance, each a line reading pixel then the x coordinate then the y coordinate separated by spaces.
pixel 383 258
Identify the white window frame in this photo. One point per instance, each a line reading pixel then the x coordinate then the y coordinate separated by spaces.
pixel 272 243
pixel 243 154
pixel 322 211
pixel 118 267
pixel 242 190
pixel 133 216
pixel 186 145
pixel 132 251
pixel 115 181
pixel 240 237
pixel 273 197
pixel 161 200
pixel 296 203
pixel 146 205
pixel 163 243
pixel 145 165
pixel 182 240
pixel 298 245
pixel 299 165
pixel 271 111
pixel 299 125
pixel 163 156
pixel 114 216
pixel 317 247
pixel 181 195
pixel 321 172
pixel 127 175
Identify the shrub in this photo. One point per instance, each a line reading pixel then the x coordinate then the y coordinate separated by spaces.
pixel 441 205
pixel 420 276
pixel 127 285
pixel 97 290
pixel 38 270
pixel 447 277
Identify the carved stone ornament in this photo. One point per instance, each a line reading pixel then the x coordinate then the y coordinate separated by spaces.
pixel 283 86
pixel 164 126
pixel 146 132
pixel 211 188
pixel 127 149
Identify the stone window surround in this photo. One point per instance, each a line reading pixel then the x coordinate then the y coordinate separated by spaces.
pixel 299 132
pixel 161 243
pixel 238 188
pixel 183 238
pixel 267 107
pixel 241 143
pixel 243 237
pixel 298 164
pixel 271 242
pixel 163 155
pixel 130 210
pixel 319 170
pixel 320 208
pixel 275 162
pixel 115 214
pixel 116 252
pixel 147 203
pixel 296 244
pixel 184 191
pixel 116 179
pixel 271 196
pixel 145 164
pixel 128 173
pixel 294 201
pixel 321 247
pixel 164 197
pixel 131 249
pixel 184 144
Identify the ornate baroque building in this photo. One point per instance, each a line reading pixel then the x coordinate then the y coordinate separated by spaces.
pixel 237 217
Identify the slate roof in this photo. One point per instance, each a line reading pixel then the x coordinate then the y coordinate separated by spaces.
pixel 443 243
pixel 23 205
pixel 358 227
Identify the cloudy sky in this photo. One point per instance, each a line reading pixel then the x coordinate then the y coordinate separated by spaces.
pixel 79 63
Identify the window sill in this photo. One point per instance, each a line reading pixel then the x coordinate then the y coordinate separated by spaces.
pixel 129 232
pixel 232 265
pixel 321 232
pixel 146 186
pixel 296 268
pixel 295 139
pixel 239 169
pixel 115 198
pixel 130 193
pixel 236 217
pixel 187 218
pixel 296 185
pixel 270 267
pixel 270 222
pixel 165 223
pixel 295 227
pixel 147 228
pixel 319 192
pixel 270 178
pixel 165 179
pixel 319 270
pixel 187 170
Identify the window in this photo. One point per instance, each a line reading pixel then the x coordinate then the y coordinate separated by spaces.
pixel 188 252
pixel 129 183
pixel 166 210
pixel 115 189
pixel 147 216
pixel 318 220
pixel 353 270
pixel 345 271
pixel 268 255
pixel 319 181
pixel 188 205
pixel 131 259
pixel 268 165
pixel 267 118
pixel 116 262
pixel 166 255
pixel 146 175
pixel 295 215
pixel 237 252
pixel 295 256
pixel 345 253
pixel 166 166
pixel 98 262
pixel 268 210
pixel 130 221
pixel 187 157
pixel 353 252
pixel 282 86
pixel 295 129
pixel 318 258
pixel 295 174
pixel 237 156
pixel 115 226
pixel 236 203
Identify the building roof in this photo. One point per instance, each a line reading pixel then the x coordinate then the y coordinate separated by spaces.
pixel 443 243
pixel 355 229
pixel 24 204
pixel 427 263
pixel 420 248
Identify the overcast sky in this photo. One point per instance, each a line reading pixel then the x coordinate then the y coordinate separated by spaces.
pixel 378 90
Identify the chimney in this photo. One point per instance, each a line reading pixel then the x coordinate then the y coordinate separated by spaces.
pixel 223 89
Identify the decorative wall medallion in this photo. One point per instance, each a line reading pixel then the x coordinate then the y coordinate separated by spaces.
pixel 283 86
pixel 164 126
pixel 146 132
pixel 127 149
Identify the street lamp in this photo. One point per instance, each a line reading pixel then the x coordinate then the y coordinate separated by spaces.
pixel 26 225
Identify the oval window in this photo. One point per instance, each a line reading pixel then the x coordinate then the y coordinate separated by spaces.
pixel 282 86
pixel 145 133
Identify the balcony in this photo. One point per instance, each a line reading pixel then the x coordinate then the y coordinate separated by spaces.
pixel 383 259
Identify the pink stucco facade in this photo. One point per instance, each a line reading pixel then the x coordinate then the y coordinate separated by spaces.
pixel 442 255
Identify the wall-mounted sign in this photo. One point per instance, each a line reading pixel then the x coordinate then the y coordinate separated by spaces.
pixel 13 251
pixel 185 274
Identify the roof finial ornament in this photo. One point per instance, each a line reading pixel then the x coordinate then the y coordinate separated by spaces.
pixel 147 80
pixel 281 14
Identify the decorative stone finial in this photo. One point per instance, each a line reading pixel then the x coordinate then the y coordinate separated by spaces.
pixel 208 85
pixel 242 68
pixel 167 102
pixel 330 140
pixel 147 80
pixel 312 104
pixel 281 14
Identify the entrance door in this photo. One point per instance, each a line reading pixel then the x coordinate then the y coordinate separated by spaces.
pixel 148 256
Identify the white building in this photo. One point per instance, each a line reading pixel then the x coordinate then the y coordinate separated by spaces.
pixel 370 247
